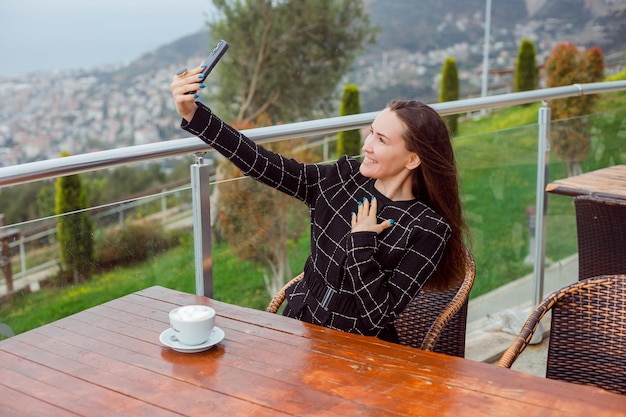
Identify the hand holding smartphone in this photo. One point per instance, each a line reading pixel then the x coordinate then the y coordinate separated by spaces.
pixel 211 61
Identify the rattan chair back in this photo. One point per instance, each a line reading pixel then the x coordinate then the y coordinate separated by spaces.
pixel 587 335
pixel 601 226
pixel 437 320
pixel 433 321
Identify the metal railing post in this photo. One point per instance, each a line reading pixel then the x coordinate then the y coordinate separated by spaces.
pixel 543 168
pixel 201 207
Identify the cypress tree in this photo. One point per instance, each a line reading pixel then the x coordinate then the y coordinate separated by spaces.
pixel 349 141
pixel 74 230
pixel 449 91
pixel 526 67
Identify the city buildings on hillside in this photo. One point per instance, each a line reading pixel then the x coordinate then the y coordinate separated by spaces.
pixel 75 111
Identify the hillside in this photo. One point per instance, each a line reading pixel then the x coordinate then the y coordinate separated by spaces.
pixel 437 24
pixel 416 36
pixel 427 25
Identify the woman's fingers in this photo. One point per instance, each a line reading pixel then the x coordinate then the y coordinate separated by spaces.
pixel 184 82
pixel 364 209
pixel 374 205
pixel 364 213
pixel 364 219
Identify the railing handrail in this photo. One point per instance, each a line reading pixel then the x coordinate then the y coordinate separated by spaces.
pixel 76 164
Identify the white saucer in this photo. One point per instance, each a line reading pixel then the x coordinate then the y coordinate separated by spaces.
pixel 168 339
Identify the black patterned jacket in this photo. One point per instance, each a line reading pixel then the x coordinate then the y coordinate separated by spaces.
pixel 355 282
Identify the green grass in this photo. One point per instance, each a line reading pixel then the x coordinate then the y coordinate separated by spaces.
pixel 497 161
pixel 500 119
pixel 235 282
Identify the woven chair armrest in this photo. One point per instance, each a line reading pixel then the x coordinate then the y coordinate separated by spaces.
pixel 444 318
pixel 278 299
pixel 455 305
pixel 530 326
pixel 528 330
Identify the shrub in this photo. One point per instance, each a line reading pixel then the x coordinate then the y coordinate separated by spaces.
pixel 135 242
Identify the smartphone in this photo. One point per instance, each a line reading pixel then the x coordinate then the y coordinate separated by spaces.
pixel 211 61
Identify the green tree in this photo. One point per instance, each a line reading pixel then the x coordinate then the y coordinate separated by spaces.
pixel 526 67
pixel 45 200
pixel 593 67
pixel 74 227
pixel 349 141
pixel 568 65
pixel 287 57
pixel 123 182
pixel 258 222
pixel 286 61
pixel 19 203
pixel 449 91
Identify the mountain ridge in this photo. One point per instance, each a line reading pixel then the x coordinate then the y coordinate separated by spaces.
pixel 584 22
pixel 420 38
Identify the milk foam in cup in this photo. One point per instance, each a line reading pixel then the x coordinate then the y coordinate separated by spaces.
pixel 192 324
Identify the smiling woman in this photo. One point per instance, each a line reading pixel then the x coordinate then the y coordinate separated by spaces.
pixel 381 230
pixel 43 35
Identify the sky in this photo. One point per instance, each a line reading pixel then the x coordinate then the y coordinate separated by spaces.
pixel 48 35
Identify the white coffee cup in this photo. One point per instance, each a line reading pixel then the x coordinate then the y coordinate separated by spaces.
pixel 192 324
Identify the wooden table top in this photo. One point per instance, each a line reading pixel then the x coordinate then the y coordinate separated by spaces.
pixel 108 359
pixel 608 182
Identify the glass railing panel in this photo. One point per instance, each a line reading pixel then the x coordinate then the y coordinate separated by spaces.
pixel 137 242
pixel 261 237
pixel 498 173
pixel 260 240
pixel 578 145
pixel 148 239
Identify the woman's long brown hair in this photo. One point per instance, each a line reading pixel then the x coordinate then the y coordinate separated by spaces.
pixel 436 182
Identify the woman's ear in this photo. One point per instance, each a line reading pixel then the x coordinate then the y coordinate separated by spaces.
pixel 413 162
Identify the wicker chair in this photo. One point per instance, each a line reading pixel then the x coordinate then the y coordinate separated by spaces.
pixel 434 320
pixel 601 226
pixel 587 334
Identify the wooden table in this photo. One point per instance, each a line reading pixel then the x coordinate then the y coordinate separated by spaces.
pixel 608 182
pixel 108 360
